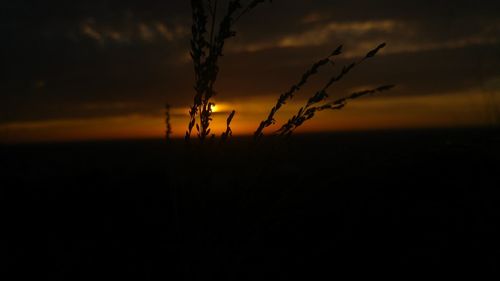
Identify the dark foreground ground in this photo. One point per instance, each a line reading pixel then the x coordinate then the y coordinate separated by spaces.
pixel 396 205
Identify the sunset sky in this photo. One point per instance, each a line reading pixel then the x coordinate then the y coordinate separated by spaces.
pixel 79 70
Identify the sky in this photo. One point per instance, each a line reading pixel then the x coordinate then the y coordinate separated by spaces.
pixel 81 70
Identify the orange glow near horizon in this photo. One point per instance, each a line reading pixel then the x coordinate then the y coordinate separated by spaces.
pixel 383 112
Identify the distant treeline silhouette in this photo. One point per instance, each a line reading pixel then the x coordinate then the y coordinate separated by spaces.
pixel 207 44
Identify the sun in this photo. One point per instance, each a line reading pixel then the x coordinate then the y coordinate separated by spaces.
pixel 222 107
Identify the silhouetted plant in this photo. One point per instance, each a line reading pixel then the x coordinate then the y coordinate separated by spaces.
pixel 228 133
pixel 168 126
pixel 308 111
pixel 205 55
pixel 290 93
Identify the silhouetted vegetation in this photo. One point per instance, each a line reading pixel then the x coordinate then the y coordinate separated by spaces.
pixel 206 53
pixel 308 111
pixel 290 93
pixel 228 133
pixel 168 125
